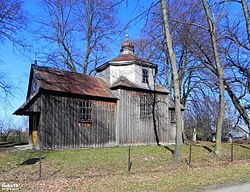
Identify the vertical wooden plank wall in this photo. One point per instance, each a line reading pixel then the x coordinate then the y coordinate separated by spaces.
pixel 113 123
pixel 133 129
pixel 61 127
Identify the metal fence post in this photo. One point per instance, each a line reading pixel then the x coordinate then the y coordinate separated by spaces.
pixel 232 150
pixel 129 160
pixel 40 163
pixel 190 154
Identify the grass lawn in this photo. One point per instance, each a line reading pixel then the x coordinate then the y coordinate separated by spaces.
pixel 105 169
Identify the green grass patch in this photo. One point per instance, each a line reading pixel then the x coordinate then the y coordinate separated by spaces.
pixel 105 169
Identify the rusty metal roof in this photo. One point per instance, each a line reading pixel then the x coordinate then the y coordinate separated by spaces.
pixel 126 59
pixel 71 82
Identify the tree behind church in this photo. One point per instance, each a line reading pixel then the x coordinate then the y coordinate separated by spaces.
pixel 76 32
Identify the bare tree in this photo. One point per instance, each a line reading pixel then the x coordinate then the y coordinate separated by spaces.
pixel 188 25
pixel 77 32
pixel 153 47
pixel 12 21
pixel 202 114
pixel 247 18
pixel 219 71
pixel 172 57
pixel 236 51
pixel 5 87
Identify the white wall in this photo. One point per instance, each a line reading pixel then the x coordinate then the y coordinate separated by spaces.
pixel 127 71
pixel 131 72
pixel 105 74
pixel 138 77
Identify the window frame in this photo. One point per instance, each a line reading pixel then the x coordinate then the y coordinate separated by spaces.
pixel 85 111
pixel 172 116
pixel 145 106
pixel 145 75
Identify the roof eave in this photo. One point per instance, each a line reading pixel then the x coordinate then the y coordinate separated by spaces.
pixel 22 109
pixel 118 63
pixel 138 88
pixel 76 95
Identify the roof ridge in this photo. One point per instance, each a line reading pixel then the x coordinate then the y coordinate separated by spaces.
pixel 71 82
pixel 47 68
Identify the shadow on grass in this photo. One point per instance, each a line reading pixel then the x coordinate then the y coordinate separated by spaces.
pixel 31 161
pixel 205 147
pixel 7 144
pixel 169 149
pixel 55 172
pixel 208 149
pixel 243 146
pixel 10 144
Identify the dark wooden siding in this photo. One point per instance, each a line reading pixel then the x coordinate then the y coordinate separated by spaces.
pixel 133 129
pixel 113 123
pixel 61 127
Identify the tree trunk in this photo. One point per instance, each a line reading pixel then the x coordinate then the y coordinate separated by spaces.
pixel 88 38
pixel 242 111
pixel 172 57
pixel 86 60
pixel 246 14
pixel 220 79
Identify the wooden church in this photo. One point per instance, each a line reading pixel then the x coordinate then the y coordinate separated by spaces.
pixel 121 105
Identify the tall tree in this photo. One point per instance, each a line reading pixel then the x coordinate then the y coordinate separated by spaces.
pixel 236 48
pixel 219 71
pixel 153 47
pixel 194 54
pixel 172 57
pixel 77 32
pixel 247 18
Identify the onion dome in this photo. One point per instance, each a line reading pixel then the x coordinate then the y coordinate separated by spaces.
pixel 127 47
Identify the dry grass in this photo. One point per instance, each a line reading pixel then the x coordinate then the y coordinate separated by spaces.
pixel 105 169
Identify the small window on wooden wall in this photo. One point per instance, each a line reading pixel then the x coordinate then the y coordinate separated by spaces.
pixel 172 116
pixel 144 75
pixel 145 106
pixel 85 111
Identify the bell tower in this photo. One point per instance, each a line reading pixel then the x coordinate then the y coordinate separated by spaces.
pixel 128 68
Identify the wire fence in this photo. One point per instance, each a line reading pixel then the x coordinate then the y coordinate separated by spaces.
pixel 26 164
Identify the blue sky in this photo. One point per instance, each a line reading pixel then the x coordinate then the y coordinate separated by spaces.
pixel 17 65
